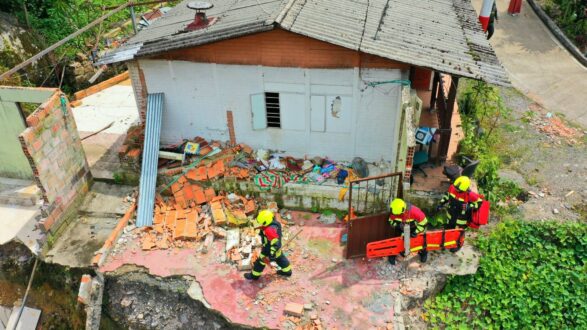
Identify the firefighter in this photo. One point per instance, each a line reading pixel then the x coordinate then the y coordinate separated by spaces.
pixel 461 203
pixel 270 232
pixel 407 214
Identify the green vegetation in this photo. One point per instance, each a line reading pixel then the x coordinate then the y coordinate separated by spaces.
pixel 571 18
pixel 55 19
pixel 484 115
pixel 532 276
pixel 48 21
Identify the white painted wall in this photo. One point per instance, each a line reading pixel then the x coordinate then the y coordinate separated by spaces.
pixel 363 123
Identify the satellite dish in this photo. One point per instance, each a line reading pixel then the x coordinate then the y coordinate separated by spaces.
pixel 200 5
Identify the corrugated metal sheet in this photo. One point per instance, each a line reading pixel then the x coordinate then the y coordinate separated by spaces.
pixel 123 53
pixel 150 159
pixel 443 35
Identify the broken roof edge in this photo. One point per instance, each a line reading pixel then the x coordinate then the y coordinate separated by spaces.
pixel 158 47
pixel 146 50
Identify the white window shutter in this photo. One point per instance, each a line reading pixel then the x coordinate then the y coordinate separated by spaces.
pixel 318 113
pixel 293 111
pixel 258 111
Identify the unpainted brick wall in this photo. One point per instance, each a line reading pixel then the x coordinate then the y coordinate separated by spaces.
pixel 53 147
pixel 139 87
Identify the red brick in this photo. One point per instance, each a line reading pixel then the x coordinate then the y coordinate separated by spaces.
pixel 209 193
pixel 134 154
pixel 179 228
pixel 250 207
pixel 188 193
pixel 32 121
pixel 216 170
pixel 55 128
pixel 37 145
pixel 199 195
pixel 176 187
pixel 294 309
pixel 218 213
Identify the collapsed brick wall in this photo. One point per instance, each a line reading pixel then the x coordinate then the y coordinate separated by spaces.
pixel 53 147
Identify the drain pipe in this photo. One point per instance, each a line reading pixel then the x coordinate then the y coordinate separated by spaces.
pixel 26 294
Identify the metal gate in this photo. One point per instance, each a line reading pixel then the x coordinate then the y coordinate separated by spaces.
pixel 369 200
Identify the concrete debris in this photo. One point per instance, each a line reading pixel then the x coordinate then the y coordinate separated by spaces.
pixel 83 295
pixel 328 219
pixel 555 211
pixel 232 239
pixel 554 128
pixel 294 309
pixel 193 214
pixel 125 302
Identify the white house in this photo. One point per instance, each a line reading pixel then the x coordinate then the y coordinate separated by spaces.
pixel 309 77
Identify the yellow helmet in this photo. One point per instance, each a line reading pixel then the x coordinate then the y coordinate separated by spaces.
pixel 265 218
pixel 398 206
pixel 462 183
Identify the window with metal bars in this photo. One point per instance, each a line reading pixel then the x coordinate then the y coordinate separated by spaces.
pixel 272 110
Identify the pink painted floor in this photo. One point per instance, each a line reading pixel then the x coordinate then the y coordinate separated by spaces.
pixel 346 294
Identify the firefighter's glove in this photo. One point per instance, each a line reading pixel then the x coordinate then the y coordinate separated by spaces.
pixel 413 234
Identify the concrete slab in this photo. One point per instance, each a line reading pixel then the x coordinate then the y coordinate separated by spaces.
pixel 18 192
pixel 346 294
pixel 19 223
pixel 114 104
pixel 537 64
pixel 102 153
pixel 4 316
pixel 87 232
pixel 79 242
pixel 28 319
pixel 106 198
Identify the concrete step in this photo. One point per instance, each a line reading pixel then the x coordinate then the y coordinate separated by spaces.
pixel 18 192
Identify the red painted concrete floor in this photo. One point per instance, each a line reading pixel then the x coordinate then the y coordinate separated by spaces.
pixel 346 294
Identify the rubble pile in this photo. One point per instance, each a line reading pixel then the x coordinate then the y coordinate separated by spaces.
pixel 214 160
pixel 130 151
pixel 194 216
pixel 554 127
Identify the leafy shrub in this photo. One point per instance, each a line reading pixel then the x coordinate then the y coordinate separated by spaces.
pixel 482 113
pixel 571 17
pixel 532 276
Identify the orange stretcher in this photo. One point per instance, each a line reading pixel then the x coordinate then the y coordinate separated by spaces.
pixel 432 240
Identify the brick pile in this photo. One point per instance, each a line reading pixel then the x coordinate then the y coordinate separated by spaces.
pixel 194 214
pixel 130 151
pixel 53 148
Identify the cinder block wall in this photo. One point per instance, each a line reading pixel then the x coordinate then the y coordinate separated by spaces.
pixel 53 148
